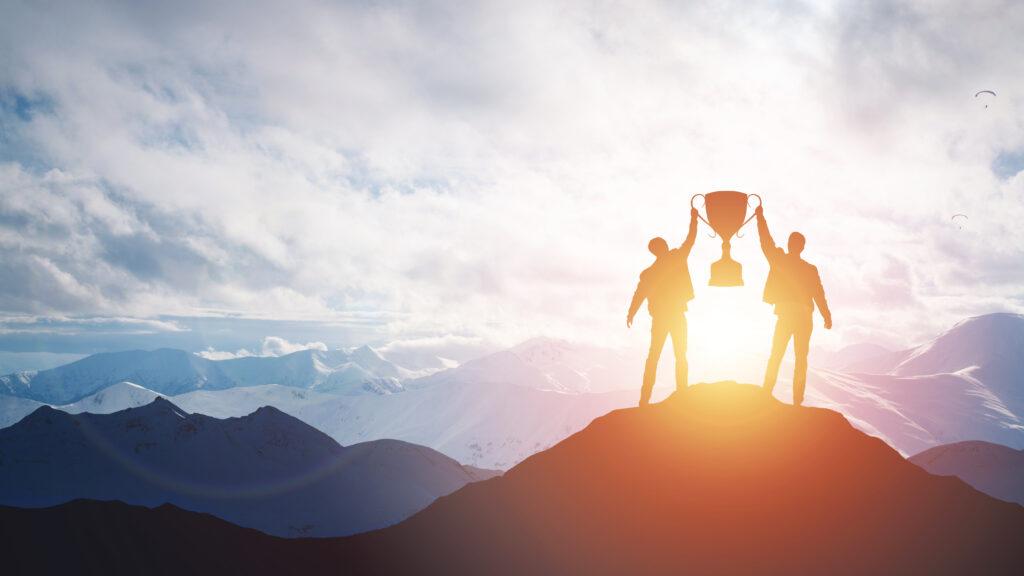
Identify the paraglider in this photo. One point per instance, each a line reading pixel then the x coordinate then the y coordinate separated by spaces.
pixel 959 223
pixel 980 92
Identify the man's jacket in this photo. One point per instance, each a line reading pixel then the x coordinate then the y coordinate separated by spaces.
pixel 666 284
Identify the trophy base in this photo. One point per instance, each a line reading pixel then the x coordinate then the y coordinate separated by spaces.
pixel 726 272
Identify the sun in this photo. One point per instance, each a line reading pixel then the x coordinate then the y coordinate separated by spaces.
pixel 729 335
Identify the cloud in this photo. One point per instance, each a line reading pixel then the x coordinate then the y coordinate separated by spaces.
pixel 496 170
pixel 211 354
pixel 96 325
pixel 274 346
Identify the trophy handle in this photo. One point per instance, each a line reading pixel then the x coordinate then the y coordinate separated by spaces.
pixel 738 233
pixel 694 197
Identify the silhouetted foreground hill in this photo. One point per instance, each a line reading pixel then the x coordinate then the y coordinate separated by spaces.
pixel 717 481
pixel 93 537
pixel 721 480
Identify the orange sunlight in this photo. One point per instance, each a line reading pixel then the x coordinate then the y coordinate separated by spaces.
pixel 729 334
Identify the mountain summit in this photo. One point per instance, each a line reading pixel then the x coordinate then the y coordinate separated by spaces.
pixel 989 345
pixel 716 480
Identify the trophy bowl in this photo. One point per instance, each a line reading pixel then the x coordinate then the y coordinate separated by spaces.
pixel 726 214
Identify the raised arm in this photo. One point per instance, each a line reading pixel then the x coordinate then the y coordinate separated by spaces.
pixel 767 244
pixel 821 302
pixel 691 235
pixel 638 298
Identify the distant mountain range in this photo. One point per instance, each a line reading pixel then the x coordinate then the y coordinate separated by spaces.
pixel 719 480
pixel 492 425
pixel 170 372
pixel 266 470
pixel 967 384
pixel 540 363
pixel 491 412
pixel 994 469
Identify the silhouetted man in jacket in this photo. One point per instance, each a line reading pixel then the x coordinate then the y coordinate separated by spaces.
pixel 667 288
pixel 794 287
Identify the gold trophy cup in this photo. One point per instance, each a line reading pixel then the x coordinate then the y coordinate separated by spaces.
pixel 726 211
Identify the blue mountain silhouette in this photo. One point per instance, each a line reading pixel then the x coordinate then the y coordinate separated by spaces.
pixel 267 470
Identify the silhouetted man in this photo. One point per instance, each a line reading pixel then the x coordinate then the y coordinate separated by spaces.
pixel 794 287
pixel 667 288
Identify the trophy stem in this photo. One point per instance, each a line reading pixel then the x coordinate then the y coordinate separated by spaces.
pixel 726 271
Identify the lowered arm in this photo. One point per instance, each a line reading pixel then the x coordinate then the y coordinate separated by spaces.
pixel 638 298
pixel 821 302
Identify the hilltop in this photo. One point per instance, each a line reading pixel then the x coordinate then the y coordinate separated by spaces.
pixel 717 480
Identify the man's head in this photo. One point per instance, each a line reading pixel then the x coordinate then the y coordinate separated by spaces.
pixel 796 243
pixel 657 246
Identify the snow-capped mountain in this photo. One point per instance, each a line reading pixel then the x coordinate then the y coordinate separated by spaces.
pixel 966 384
pixel 491 413
pixel 988 347
pixel 265 470
pixel 13 409
pixel 548 364
pixel 490 426
pixel 170 372
pixel 494 425
pixel 165 370
pixel 114 398
pixel 918 412
pixel 355 371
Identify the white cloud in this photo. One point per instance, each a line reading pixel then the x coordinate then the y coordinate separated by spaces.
pixel 22 324
pixel 271 346
pixel 211 354
pixel 495 170
pixel 275 346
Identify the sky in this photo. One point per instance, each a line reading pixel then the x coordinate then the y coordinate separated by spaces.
pixel 454 176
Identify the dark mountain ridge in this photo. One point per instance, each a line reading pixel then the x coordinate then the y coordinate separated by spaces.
pixel 266 470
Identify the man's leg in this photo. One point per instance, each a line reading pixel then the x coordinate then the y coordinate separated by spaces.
pixel 780 341
pixel 659 330
pixel 801 346
pixel 678 331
